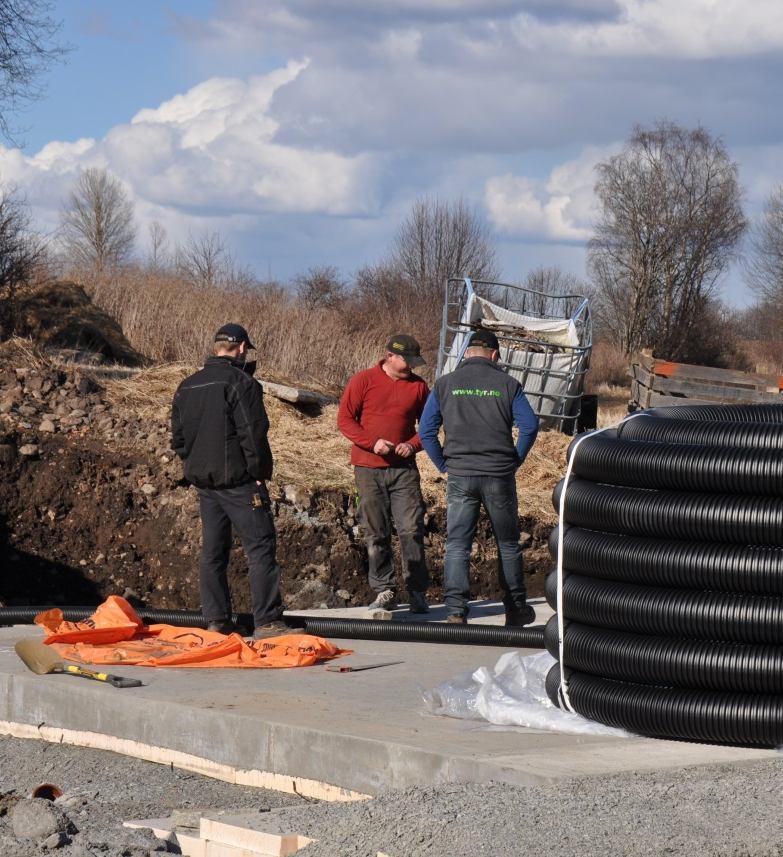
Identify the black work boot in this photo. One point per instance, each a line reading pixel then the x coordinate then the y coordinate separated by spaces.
pixel 221 626
pixel 516 617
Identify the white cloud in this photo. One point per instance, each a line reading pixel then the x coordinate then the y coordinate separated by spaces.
pixel 208 152
pixel 558 208
pixel 700 29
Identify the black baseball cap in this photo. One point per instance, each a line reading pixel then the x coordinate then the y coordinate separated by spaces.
pixel 233 333
pixel 407 347
pixel 483 338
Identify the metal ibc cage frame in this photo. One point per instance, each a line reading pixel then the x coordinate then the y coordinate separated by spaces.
pixel 551 374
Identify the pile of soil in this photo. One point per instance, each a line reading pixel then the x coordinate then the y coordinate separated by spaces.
pixel 92 502
pixel 61 315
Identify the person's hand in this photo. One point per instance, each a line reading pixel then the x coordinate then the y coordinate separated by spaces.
pixel 404 450
pixel 382 447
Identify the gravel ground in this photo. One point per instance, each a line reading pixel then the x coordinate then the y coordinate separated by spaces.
pixel 716 811
pixel 101 790
pixel 699 811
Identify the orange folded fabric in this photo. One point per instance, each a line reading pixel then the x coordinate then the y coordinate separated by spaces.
pixel 115 634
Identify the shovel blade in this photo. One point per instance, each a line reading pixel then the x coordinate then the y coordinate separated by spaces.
pixel 38 657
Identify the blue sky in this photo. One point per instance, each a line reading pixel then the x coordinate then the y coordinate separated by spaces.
pixel 303 130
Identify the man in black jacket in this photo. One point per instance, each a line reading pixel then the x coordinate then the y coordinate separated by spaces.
pixel 219 429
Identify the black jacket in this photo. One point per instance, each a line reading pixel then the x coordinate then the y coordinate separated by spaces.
pixel 219 426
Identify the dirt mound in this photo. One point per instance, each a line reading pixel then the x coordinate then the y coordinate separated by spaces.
pixel 61 315
pixel 92 502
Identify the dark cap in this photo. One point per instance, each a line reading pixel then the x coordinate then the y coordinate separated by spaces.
pixel 233 333
pixel 484 339
pixel 407 347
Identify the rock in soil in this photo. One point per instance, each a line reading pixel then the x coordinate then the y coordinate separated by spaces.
pixel 37 820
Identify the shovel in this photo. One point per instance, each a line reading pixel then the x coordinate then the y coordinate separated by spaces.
pixel 42 659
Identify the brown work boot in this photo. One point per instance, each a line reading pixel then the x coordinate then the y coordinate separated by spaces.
pixel 271 629
pixel 457 620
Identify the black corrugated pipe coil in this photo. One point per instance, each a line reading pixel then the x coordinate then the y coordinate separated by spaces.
pixel 347 629
pixel 672 576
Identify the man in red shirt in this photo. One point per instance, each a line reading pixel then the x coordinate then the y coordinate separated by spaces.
pixel 378 412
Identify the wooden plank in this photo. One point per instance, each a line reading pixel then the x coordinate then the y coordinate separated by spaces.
pixel 730 377
pixel 295 395
pixel 715 392
pixel 658 400
pixel 252 832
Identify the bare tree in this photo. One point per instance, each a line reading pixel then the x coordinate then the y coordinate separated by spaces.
pixel 206 261
pixel 27 49
pixel 765 264
pixel 158 256
pixel 439 240
pixel 321 288
pixel 669 223
pixel 97 221
pixel 558 292
pixel 21 252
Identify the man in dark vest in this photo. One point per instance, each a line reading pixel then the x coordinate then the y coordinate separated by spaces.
pixel 477 404
pixel 219 429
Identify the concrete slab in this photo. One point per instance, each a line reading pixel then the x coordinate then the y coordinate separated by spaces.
pixel 320 733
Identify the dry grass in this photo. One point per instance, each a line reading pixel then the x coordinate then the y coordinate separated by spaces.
pixel 608 365
pixel 148 392
pixel 310 452
pixel 171 320
pixel 20 353
pixel 612 404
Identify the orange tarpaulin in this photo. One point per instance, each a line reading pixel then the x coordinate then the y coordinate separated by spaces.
pixel 115 634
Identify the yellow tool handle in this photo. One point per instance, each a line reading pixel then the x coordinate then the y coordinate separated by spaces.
pixel 115 680
pixel 74 670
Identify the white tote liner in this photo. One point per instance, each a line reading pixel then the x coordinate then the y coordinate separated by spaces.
pixel 552 377
pixel 510 694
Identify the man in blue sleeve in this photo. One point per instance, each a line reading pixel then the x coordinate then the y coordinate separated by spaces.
pixel 477 404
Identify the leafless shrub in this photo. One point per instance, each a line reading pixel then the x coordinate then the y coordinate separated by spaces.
pixel 158 256
pixel 206 261
pixel 97 229
pixel 27 49
pixel 21 254
pixel 669 224
pixel 608 365
pixel 765 263
pixel 321 288
pixel 439 240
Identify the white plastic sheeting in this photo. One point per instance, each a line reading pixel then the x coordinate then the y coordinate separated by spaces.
pixel 546 375
pixel 510 694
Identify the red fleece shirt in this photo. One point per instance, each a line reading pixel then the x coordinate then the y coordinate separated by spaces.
pixel 375 406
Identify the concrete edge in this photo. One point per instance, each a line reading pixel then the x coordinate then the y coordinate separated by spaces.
pixel 185 761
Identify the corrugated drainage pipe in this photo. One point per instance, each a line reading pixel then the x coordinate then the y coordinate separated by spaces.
pixel 347 629
pixel 671 576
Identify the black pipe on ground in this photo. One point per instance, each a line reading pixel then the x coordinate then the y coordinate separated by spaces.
pixel 347 629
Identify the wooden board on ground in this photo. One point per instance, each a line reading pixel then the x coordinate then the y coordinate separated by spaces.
pixel 257 833
pixel 296 395
pixel 656 383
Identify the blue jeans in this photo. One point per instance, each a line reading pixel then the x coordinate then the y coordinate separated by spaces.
pixel 465 496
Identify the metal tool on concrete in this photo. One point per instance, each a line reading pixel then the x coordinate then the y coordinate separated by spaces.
pixel 353 668
pixel 42 659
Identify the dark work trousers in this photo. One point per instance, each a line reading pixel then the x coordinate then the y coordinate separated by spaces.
pixel 222 508
pixel 465 496
pixel 386 494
